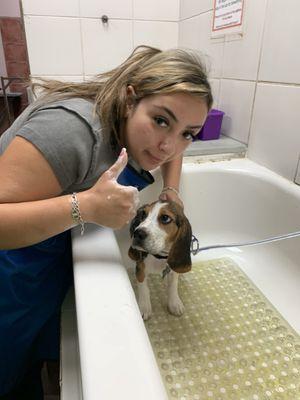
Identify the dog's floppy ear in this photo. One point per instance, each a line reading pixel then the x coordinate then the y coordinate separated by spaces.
pixel 179 258
pixel 136 255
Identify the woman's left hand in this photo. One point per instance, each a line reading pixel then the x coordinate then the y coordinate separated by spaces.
pixel 170 195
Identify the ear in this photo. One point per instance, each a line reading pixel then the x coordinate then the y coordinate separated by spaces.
pixel 179 258
pixel 130 98
pixel 136 255
pixel 130 91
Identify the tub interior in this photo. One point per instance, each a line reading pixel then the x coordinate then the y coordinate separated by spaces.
pixel 229 342
pixel 239 201
pixel 226 202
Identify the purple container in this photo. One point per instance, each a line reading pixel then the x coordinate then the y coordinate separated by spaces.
pixel 212 127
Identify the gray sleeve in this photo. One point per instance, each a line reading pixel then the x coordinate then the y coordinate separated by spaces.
pixel 64 139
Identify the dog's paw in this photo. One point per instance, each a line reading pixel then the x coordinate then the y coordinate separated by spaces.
pixel 175 306
pixel 145 309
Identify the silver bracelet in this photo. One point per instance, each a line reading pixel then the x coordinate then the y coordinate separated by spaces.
pixel 75 213
pixel 166 188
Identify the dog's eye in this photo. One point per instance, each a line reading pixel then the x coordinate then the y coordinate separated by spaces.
pixel 165 219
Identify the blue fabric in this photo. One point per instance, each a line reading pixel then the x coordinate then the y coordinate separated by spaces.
pixel 33 284
pixel 130 177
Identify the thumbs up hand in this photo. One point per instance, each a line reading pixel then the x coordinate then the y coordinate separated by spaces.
pixel 115 170
pixel 108 203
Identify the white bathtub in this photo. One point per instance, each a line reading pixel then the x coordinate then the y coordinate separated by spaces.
pixel 229 201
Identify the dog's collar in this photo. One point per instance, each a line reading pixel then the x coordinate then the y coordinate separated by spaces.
pixel 167 269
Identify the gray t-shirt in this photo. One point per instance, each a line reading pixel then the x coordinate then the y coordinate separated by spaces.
pixel 69 135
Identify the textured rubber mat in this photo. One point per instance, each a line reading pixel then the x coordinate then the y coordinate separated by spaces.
pixel 230 343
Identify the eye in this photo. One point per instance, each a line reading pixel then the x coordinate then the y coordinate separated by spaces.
pixel 165 219
pixel 189 135
pixel 161 121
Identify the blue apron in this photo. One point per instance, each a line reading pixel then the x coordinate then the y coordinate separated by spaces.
pixel 33 283
pixel 131 177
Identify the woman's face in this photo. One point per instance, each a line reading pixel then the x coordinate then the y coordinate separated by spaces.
pixel 160 127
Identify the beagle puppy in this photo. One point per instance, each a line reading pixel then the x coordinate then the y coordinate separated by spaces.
pixel 161 238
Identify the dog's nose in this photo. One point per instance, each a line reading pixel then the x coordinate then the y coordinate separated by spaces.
pixel 140 234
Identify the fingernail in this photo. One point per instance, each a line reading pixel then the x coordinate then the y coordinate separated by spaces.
pixel 123 151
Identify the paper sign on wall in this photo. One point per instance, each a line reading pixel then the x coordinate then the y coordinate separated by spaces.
pixel 227 17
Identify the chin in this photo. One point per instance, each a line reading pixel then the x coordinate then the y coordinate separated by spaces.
pixel 147 166
pixel 151 167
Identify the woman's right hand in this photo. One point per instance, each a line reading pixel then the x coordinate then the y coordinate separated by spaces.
pixel 108 203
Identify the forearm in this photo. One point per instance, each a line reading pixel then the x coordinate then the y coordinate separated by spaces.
pixel 107 204
pixel 27 223
pixel 171 172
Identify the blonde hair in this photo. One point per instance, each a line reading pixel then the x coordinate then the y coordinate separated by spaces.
pixel 149 70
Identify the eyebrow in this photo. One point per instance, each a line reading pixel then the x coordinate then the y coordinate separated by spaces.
pixel 173 116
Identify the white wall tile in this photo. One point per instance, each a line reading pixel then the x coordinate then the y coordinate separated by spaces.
pixel 66 8
pixel 105 46
pixel 215 88
pixel 241 57
pixel 236 100
pixel 297 177
pixel 54 45
pixel 163 35
pixel 275 133
pixel 111 8
pixel 195 33
pixel 280 55
pixel 190 8
pixel 167 10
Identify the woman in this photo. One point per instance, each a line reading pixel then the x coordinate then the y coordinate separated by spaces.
pixel 79 154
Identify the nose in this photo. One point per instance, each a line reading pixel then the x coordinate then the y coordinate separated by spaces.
pixel 167 145
pixel 140 234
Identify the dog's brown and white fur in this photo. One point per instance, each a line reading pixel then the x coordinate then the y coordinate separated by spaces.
pixel 161 235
